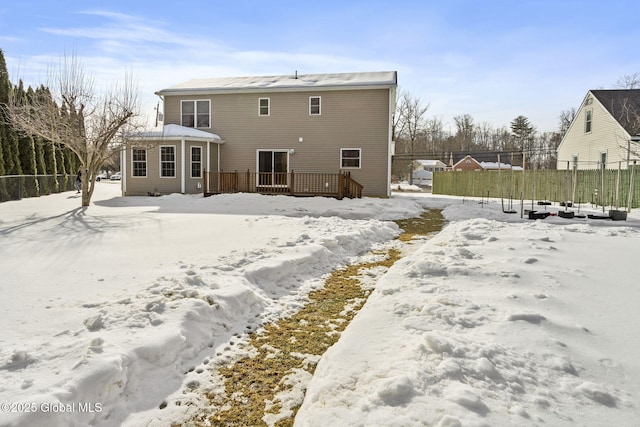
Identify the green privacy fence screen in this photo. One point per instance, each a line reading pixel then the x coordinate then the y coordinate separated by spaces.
pixel 611 187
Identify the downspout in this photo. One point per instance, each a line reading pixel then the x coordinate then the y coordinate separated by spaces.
pixel 183 174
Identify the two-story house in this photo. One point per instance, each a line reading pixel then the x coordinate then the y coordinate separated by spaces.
pixel 295 134
pixel 603 131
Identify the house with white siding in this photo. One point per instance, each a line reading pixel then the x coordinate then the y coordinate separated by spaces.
pixel 307 134
pixel 604 131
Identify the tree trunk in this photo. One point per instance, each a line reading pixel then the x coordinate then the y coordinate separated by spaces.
pixel 86 198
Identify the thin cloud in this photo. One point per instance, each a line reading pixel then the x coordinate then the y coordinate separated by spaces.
pixel 121 27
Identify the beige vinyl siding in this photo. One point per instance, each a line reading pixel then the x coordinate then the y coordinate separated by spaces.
pixel 137 186
pixel 606 135
pixel 153 182
pixel 349 119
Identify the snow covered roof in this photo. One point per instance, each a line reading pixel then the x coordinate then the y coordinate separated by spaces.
pixel 430 162
pixel 177 132
pixel 495 165
pixel 365 80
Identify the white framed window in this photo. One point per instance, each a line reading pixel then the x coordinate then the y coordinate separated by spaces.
pixel 588 117
pixel 350 158
pixel 196 113
pixel 264 107
pixel 315 105
pixel 139 162
pixel 196 162
pixel 167 161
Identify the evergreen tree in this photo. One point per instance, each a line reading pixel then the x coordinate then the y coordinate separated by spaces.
pixel 45 152
pixel 27 155
pixel 11 149
pixel 5 87
pixel 49 153
pixel 523 133
pixel 41 161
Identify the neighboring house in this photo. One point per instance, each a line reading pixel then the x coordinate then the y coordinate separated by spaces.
pixel 432 165
pixel 277 132
pixel 467 163
pixel 423 175
pixel 602 129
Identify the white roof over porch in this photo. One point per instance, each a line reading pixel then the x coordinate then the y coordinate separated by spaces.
pixel 177 133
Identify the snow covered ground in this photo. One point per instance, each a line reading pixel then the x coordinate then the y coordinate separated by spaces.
pixel 109 311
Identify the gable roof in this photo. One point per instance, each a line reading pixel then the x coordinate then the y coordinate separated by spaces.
pixel 292 82
pixel 465 158
pixel 623 105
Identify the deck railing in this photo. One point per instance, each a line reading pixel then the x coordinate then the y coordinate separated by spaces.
pixel 337 185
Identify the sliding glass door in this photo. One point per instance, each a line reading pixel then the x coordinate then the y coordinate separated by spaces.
pixel 273 166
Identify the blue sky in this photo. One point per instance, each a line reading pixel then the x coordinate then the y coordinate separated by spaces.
pixel 492 59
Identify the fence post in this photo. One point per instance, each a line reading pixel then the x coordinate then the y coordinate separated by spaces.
pixel 291 184
pixel 631 182
pixel 340 186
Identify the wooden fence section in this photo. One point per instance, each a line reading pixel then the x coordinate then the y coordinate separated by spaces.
pixel 609 187
pixel 336 185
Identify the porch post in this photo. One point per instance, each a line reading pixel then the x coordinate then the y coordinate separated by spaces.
pixel 205 184
pixel 183 167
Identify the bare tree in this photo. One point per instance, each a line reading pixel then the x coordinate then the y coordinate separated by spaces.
pixel 566 118
pixel 410 122
pixel 628 81
pixel 78 117
pixel 465 130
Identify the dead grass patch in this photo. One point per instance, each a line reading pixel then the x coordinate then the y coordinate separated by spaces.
pixel 252 384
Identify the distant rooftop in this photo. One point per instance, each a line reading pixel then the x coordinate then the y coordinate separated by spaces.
pixel 287 82
pixel 623 105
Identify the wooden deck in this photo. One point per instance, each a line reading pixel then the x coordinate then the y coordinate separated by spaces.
pixel 338 185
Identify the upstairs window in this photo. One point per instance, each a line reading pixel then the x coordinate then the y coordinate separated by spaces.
pixel 138 162
pixel 264 107
pixel 196 114
pixel 168 161
pixel 314 105
pixel 588 115
pixel 350 158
